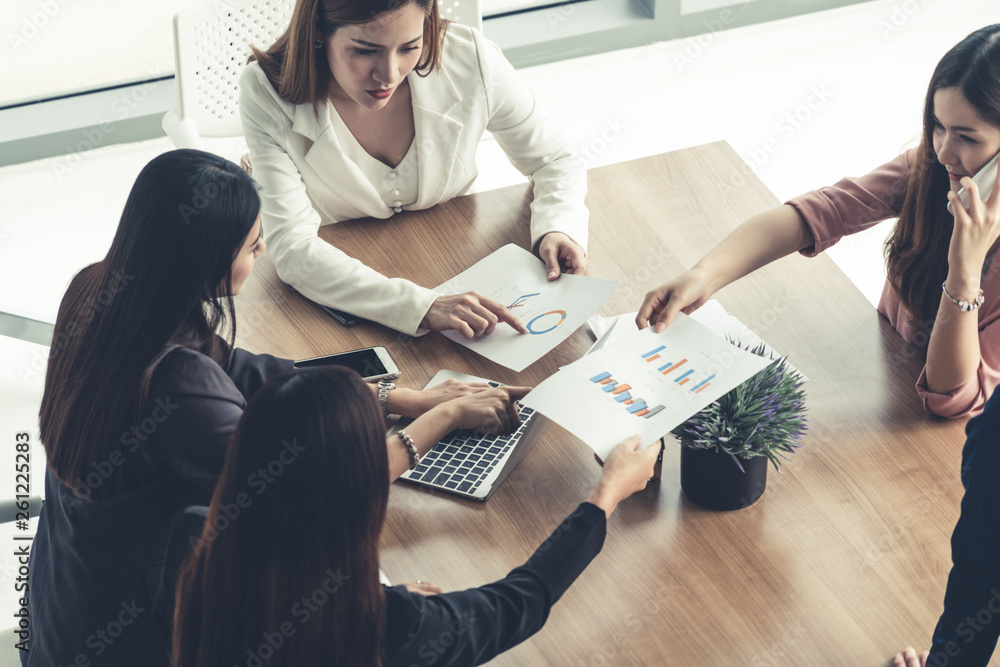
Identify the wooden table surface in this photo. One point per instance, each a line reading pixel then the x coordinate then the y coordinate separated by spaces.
pixel 844 559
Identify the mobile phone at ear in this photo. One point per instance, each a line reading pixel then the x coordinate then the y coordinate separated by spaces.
pixel 346 319
pixel 984 180
pixel 371 363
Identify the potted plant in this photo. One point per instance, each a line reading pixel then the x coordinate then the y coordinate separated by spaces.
pixel 725 447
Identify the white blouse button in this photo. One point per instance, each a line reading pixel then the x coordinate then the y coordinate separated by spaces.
pixel 397 203
pixel 392 174
pixel 395 193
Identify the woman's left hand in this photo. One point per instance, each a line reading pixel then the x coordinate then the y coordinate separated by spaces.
pixel 562 255
pixel 976 229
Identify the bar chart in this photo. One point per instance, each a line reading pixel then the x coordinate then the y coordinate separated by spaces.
pixel 689 378
pixel 621 394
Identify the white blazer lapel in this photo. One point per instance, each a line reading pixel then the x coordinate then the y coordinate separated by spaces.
pixel 327 159
pixel 435 101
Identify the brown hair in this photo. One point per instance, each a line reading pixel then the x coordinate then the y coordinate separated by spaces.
pixel 917 251
pixel 166 279
pixel 301 73
pixel 279 535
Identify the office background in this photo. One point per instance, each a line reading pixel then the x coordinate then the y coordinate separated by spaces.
pixel 804 99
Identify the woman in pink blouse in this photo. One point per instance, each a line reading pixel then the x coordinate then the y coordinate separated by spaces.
pixel 938 264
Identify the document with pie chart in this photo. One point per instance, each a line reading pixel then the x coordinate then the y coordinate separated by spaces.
pixel 550 310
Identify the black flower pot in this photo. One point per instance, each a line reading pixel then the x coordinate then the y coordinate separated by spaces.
pixel 712 479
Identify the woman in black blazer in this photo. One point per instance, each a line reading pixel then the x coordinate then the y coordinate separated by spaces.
pixel 141 399
pixel 266 585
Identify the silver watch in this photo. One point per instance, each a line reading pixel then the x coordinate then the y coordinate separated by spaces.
pixel 383 395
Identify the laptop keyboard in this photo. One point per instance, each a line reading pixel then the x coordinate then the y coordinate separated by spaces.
pixel 463 459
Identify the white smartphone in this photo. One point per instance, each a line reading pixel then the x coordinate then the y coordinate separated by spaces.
pixel 371 363
pixel 984 180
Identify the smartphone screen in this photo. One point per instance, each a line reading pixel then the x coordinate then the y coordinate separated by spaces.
pixel 363 362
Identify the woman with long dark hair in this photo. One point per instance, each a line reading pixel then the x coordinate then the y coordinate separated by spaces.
pixel 942 292
pixel 264 583
pixel 366 109
pixel 141 398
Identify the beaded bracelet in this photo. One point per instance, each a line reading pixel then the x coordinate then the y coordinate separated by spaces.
pixel 964 306
pixel 408 441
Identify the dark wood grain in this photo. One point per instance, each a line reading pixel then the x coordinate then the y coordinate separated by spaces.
pixel 842 562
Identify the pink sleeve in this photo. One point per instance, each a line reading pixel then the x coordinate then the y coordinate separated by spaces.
pixel 969 399
pixel 853 204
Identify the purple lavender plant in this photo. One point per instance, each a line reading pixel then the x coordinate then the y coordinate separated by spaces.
pixel 764 416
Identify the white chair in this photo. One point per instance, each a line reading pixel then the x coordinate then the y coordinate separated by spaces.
pixel 466 12
pixel 211 46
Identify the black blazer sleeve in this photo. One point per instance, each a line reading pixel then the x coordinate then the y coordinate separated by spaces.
pixel 967 631
pixel 250 371
pixel 471 627
pixel 185 531
pixel 195 405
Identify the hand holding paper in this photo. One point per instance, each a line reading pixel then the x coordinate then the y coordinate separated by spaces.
pixel 646 382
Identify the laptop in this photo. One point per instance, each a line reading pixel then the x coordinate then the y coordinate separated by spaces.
pixel 471 463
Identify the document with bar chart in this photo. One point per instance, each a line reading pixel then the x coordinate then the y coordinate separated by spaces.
pixel 644 383
pixel 551 311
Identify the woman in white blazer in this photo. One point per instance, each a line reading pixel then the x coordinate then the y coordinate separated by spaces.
pixel 366 109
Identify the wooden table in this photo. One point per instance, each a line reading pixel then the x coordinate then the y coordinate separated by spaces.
pixel 842 562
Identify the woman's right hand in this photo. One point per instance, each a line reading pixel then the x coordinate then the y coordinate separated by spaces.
pixel 470 314
pixel 492 410
pixel 685 293
pixel 626 470
pixel 974 234
pixel 910 658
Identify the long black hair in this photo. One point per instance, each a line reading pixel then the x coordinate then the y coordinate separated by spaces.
pixel 166 278
pixel 917 251
pixel 287 565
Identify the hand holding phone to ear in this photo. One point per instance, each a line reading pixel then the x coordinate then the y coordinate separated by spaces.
pixel 977 227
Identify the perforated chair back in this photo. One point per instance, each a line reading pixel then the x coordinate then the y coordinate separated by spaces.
pixel 211 46
pixel 466 12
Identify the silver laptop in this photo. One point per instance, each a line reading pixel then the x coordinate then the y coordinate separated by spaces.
pixel 472 463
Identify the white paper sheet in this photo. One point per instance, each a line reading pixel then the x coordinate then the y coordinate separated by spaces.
pixel 645 383
pixel 712 314
pixel 551 310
